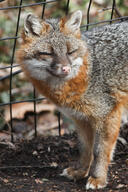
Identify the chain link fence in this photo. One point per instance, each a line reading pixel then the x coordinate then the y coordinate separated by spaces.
pixel 43 4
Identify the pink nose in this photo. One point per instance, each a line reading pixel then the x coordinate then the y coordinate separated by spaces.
pixel 66 69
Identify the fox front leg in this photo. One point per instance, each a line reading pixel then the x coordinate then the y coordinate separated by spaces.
pixel 86 134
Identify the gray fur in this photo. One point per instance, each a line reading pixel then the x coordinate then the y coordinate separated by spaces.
pixel 108 49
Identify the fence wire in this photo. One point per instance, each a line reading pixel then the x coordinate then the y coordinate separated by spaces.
pixel 12 65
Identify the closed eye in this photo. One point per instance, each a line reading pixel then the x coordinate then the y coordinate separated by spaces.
pixel 71 52
pixel 45 53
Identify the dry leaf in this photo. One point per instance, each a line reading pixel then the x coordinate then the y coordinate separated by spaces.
pixel 19 109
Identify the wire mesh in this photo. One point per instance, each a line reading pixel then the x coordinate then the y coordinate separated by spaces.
pixel 43 3
pixel 12 61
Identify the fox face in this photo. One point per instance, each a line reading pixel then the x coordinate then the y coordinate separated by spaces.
pixel 52 49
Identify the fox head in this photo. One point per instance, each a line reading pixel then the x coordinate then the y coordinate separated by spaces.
pixel 52 48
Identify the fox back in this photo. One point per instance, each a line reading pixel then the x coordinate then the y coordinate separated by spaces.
pixel 108 62
pixel 108 46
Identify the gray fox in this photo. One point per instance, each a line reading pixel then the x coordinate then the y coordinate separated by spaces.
pixel 86 76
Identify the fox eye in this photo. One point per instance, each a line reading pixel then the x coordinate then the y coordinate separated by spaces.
pixel 43 56
pixel 71 52
pixel 44 53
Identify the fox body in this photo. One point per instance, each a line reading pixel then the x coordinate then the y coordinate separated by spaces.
pixel 86 76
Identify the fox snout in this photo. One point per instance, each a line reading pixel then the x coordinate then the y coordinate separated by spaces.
pixel 61 70
pixel 60 66
pixel 66 69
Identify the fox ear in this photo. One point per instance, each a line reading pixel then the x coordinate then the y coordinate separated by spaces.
pixel 32 25
pixel 73 24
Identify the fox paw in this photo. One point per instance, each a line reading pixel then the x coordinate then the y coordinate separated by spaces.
pixel 74 174
pixel 95 183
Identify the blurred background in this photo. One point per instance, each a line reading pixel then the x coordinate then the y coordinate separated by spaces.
pixel 46 112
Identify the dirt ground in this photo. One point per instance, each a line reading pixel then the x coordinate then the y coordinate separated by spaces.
pixel 34 166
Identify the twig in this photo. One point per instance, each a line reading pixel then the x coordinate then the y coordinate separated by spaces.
pixel 27 167
pixel 11 145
